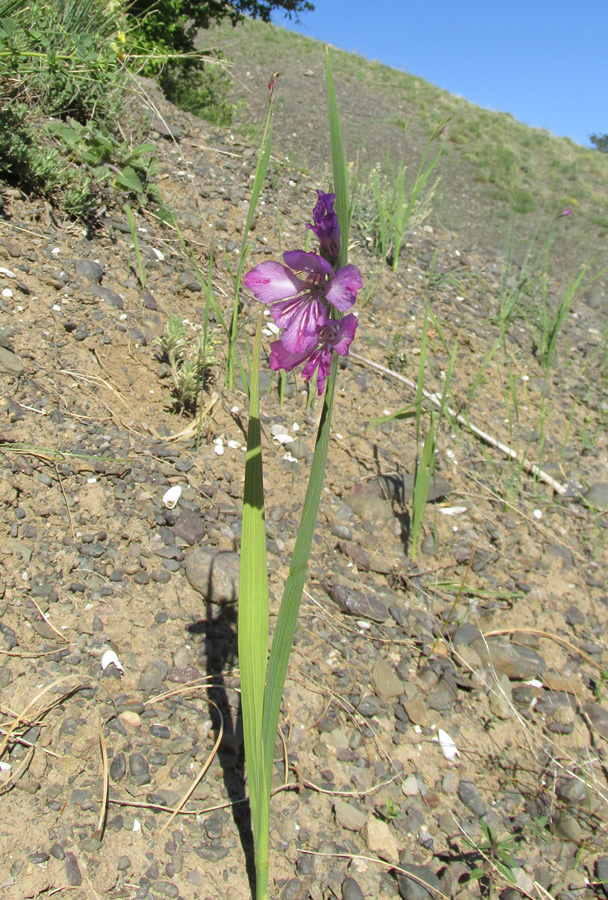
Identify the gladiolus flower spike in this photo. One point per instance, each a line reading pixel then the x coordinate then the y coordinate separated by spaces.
pixel 304 295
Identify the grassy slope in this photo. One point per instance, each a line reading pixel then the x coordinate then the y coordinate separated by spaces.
pixel 492 167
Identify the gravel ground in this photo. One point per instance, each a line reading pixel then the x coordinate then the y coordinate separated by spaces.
pixel 434 741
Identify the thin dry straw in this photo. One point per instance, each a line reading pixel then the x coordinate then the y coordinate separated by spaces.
pixel 106 783
pixel 532 468
pixel 201 774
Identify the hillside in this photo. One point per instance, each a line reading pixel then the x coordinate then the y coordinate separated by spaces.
pixel 445 715
pixel 492 166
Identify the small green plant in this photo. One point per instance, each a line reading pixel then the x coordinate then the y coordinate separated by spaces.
pixel 392 810
pixel 397 361
pixel 189 358
pixel 495 857
pixel 199 87
pixel 386 210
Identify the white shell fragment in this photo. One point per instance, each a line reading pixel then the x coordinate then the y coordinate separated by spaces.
pixel 7 272
pixel 448 747
pixel 283 439
pixel 171 497
pixel 4 766
pixel 108 659
pixel 453 510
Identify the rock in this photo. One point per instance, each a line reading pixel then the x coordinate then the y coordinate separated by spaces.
pixel 597 495
pixel 501 697
pixel 416 710
pixel 410 787
pixel 89 269
pixel 351 890
pixel 355 603
pixel 153 675
pixel 421 886
pixel 569 829
pixel 139 768
pixel 598 716
pixel 400 488
pixel 348 816
pixel 190 527
pixel 163 127
pixel 369 707
pixel 72 870
pixel 381 840
pixel 108 296
pixel 386 683
pixel 214 574
pixel 370 508
pixel 601 872
pixel 572 790
pixel 118 767
pixel 518 663
pixel 470 796
pixel 10 362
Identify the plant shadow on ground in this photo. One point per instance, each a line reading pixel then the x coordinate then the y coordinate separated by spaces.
pixel 220 640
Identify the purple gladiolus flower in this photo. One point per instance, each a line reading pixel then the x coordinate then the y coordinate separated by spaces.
pixel 298 304
pixel 325 226
pixel 335 335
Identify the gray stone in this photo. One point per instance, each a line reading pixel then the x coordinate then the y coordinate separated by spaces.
pixel 386 683
pixel 421 886
pixel 518 663
pixel 165 128
pixel 139 768
pixel 597 495
pixel 348 816
pixel 569 829
pixel 370 508
pixel 465 634
pixel 89 269
pixel 472 799
pixel 108 296
pixel 601 872
pixel 355 603
pixel 153 675
pixel 598 716
pixel 214 574
pixel 189 527
pixel 351 889
pixel 165 889
pixel 10 362
pixel 72 870
pixel 501 697
pixel 118 767
pixel 572 790
pixel 400 488
pixel 369 707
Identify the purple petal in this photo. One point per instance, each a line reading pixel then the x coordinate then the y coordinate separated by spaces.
pixel 301 261
pixel 325 226
pixel 320 360
pixel 281 358
pixel 302 318
pixel 342 291
pixel 270 281
pixel 344 335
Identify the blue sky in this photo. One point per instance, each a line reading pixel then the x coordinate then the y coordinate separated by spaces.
pixel 543 61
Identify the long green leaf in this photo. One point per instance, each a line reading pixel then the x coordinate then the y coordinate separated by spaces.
pixel 340 169
pixel 253 622
pixel 260 174
pixel 290 605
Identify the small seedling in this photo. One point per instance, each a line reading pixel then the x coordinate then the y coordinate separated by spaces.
pixel 189 360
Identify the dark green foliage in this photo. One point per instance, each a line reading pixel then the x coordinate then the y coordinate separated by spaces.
pixel 600 142
pixel 198 88
pixel 38 168
pixel 171 25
